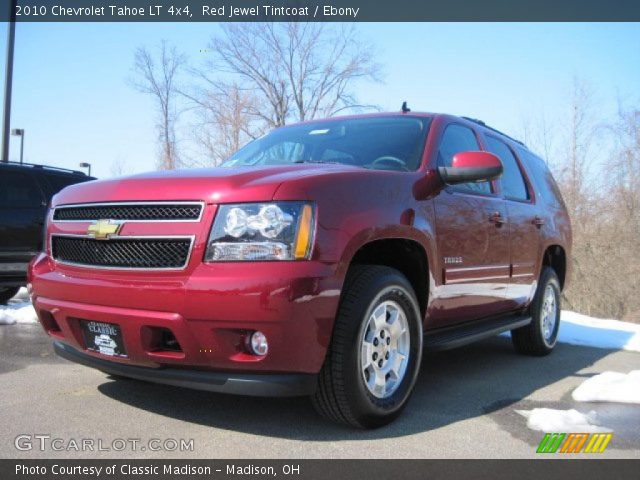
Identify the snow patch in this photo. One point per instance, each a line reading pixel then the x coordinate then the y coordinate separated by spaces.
pixel 18 310
pixel 578 329
pixel 610 387
pixel 21 296
pixel 550 420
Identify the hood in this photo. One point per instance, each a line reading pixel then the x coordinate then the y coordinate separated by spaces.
pixel 212 185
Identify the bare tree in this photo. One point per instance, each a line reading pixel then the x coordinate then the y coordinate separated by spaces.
pixel 157 77
pixel 118 167
pixel 624 167
pixel 580 137
pixel 574 160
pixel 537 132
pixel 622 206
pixel 225 120
pixel 292 70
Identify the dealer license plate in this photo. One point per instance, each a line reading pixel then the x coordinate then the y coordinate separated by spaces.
pixel 105 338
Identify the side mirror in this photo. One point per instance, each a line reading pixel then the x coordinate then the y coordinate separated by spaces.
pixel 471 167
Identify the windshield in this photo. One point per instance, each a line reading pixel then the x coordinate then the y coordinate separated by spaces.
pixel 382 143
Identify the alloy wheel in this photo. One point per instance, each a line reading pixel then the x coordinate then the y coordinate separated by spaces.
pixel 385 348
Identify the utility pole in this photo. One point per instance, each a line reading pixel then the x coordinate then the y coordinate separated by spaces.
pixel 8 81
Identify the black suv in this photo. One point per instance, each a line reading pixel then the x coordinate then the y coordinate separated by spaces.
pixel 25 192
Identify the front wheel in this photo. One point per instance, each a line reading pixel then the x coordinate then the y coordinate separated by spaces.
pixel 540 336
pixel 374 357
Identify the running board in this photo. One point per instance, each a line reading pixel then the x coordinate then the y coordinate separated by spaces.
pixel 458 335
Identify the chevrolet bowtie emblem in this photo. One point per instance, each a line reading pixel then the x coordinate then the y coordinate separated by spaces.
pixel 103 229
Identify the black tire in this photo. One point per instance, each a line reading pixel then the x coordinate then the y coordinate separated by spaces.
pixel 342 393
pixel 530 339
pixel 7 293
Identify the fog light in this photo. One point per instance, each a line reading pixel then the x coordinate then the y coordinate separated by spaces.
pixel 258 343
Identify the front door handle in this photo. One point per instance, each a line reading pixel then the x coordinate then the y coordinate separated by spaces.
pixel 538 221
pixel 497 218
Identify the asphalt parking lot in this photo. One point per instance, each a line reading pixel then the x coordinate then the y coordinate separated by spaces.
pixel 464 407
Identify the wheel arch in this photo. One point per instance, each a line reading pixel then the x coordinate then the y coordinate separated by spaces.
pixel 407 255
pixel 555 257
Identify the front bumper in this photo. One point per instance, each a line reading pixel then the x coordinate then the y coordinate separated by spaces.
pixel 210 311
pixel 260 385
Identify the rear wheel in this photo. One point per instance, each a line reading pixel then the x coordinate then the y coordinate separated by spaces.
pixel 376 348
pixel 540 336
pixel 7 294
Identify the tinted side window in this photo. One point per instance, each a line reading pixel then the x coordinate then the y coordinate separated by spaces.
pixel 19 190
pixel 545 185
pixel 58 182
pixel 512 181
pixel 458 139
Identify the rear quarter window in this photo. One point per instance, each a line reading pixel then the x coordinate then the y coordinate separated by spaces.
pixel 545 185
pixel 513 184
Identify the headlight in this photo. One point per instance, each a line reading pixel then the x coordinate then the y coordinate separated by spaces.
pixel 261 231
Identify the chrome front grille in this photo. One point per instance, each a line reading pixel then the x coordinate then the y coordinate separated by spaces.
pixel 123 252
pixel 132 211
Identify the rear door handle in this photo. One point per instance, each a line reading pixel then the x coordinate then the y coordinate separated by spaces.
pixel 497 218
pixel 538 221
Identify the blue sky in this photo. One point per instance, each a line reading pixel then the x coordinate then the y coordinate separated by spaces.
pixel 72 97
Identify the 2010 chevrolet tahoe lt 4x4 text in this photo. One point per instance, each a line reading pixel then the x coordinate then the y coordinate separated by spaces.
pixel 318 260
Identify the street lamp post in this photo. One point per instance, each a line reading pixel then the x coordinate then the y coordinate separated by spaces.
pixel 19 132
pixel 87 166
pixel 8 80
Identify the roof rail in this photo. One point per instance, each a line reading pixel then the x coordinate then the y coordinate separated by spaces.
pixel 480 122
pixel 47 167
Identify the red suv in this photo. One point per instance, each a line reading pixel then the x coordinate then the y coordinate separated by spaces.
pixel 321 259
